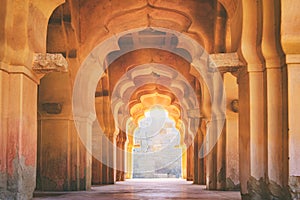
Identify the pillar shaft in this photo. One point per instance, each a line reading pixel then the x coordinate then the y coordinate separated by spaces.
pixel 199 171
pixel 129 163
pixel 189 153
pixel 277 133
pixel 18 136
pixel 293 69
pixel 121 139
pixel 98 139
pixel 232 134
pixel 252 129
pixel 186 168
pixel 221 160
pixel 129 156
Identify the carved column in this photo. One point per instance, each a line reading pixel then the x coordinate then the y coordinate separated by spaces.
pixel 129 158
pixel 252 106
pixel 18 129
pixel 199 174
pixel 277 117
pixel 232 134
pixel 221 147
pixel 59 145
pixel 252 129
pixel 18 125
pixel 198 160
pixel 290 42
pixel 121 139
pixel 109 143
pixel 214 132
pixel 97 147
pixel 226 179
pixel 293 72
pixel 189 158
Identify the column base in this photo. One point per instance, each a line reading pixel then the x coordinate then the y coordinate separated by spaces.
pixel 294 187
pixel 263 190
pixel 4 194
pixel 231 186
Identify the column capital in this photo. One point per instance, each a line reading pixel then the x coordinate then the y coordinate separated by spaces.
pixel 44 63
pixel 227 62
pixel 293 59
pixel 19 69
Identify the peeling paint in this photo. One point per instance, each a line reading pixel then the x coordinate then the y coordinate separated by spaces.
pixel 21 143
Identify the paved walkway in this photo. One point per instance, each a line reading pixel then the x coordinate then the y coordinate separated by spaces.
pixel 146 189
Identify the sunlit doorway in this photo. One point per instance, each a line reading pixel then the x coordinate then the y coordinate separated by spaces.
pixel 157 152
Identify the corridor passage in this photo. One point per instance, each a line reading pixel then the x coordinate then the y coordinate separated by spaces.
pixel 145 189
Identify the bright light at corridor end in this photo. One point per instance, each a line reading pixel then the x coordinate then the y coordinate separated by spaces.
pixel 212 106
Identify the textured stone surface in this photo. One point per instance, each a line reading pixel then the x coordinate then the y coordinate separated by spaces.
pixel 266 190
pixel 277 192
pixel 294 184
pixel 258 190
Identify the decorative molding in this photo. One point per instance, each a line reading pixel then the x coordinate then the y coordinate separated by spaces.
pixel 44 63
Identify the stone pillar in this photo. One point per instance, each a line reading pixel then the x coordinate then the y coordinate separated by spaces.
pixel 232 134
pixel 277 134
pixel 18 108
pixel 189 158
pixel 64 159
pixel 97 145
pixel 129 157
pixel 196 121
pixel 252 105
pixel 199 172
pixel 221 150
pixel 252 129
pixel 293 72
pixel 276 101
pixel 194 151
pixel 216 137
pixel 211 162
pixel 110 142
pixel 111 150
pixel 121 139
pixel 227 145
pixel 84 162
pixel 186 168
pixel 221 160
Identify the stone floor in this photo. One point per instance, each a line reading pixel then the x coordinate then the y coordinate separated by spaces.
pixel 145 189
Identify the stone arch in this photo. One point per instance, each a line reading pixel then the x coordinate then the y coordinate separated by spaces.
pixel 95 64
